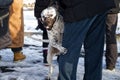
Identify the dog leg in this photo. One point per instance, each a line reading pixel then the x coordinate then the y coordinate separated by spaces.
pixel 49 59
pixel 61 49
pixel 50 71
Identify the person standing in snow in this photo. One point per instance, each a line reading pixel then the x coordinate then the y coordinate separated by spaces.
pixel 84 23
pixel 111 43
pixel 16 27
pixel 39 6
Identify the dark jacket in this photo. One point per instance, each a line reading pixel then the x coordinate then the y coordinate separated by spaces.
pixel 4 17
pixel 75 10
pixel 39 6
pixel 117 9
pixel 5 39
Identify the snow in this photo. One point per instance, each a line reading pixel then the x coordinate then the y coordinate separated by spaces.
pixel 32 67
pixel 118 25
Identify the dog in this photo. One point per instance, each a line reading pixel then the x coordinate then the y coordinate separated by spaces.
pixel 54 24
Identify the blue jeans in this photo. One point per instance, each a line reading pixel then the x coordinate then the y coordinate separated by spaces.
pixel 89 31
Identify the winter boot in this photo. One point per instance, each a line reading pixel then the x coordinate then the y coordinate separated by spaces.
pixel 18 56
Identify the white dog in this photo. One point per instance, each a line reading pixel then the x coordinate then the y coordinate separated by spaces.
pixel 54 24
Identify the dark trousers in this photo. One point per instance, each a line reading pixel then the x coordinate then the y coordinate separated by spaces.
pixel 16 49
pixel 45 36
pixel 111 43
pixel 45 45
pixel 91 32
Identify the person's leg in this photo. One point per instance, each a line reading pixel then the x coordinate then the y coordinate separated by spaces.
pixel 73 37
pixel 94 47
pixel 18 55
pixel 111 43
pixel 45 46
pixel 18 49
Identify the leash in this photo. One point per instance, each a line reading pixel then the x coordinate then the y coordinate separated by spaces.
pixel 2 17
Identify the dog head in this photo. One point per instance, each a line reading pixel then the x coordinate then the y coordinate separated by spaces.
pixel 48 17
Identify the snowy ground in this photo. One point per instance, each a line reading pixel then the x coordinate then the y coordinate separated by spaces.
pixel 32 67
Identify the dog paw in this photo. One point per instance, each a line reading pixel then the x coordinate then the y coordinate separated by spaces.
pixel 63 50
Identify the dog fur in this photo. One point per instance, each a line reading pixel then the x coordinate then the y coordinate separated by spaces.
pixel 54 24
